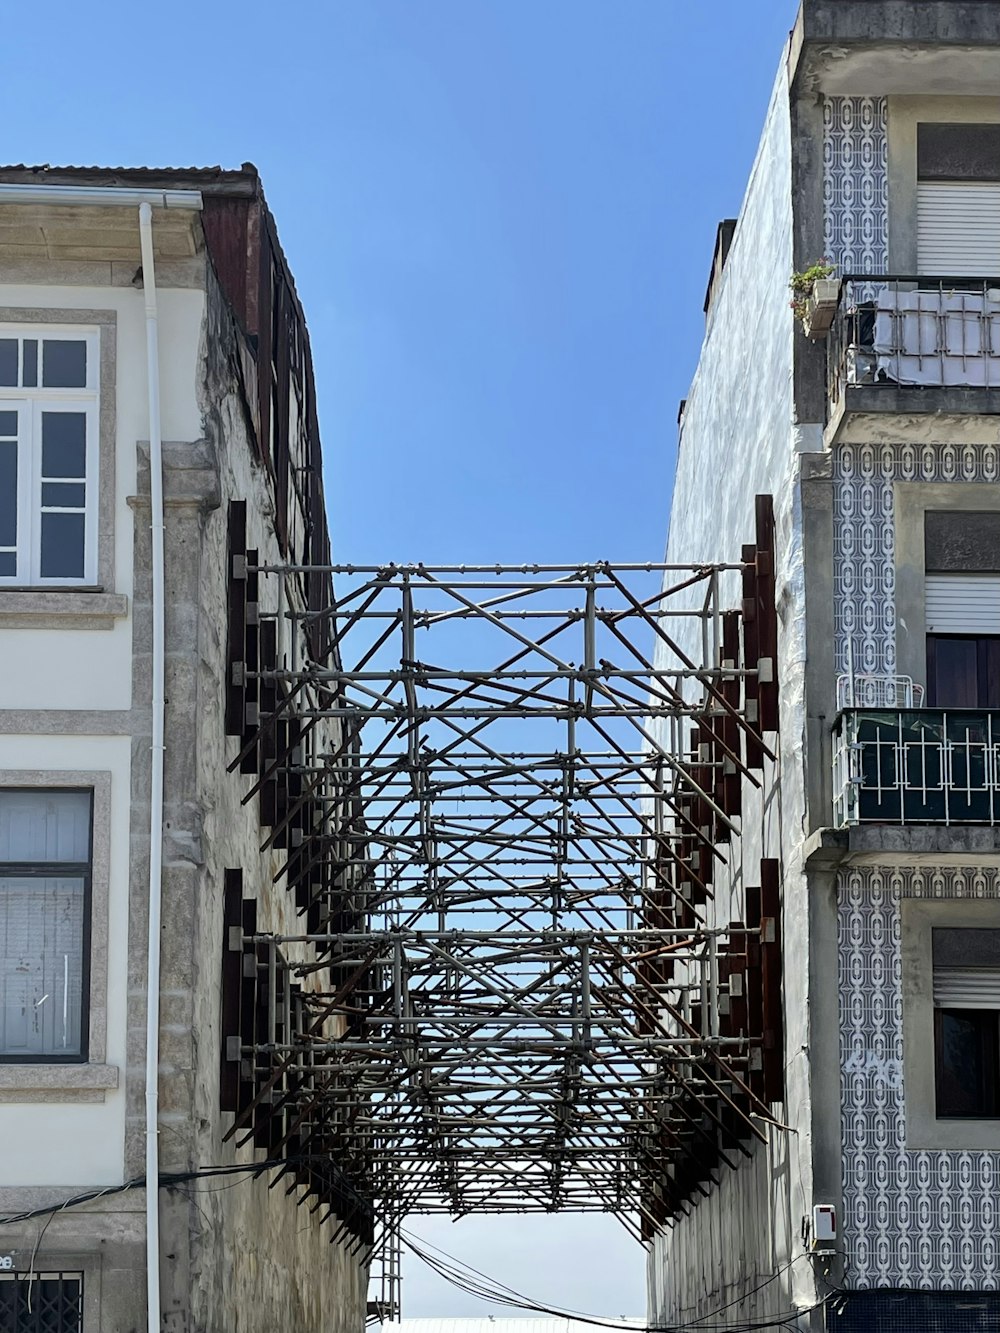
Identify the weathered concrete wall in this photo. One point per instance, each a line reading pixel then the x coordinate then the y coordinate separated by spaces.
pixel 254 1260
pixel 739 439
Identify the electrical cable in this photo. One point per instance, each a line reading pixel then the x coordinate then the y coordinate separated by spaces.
pixel 171 1178
pixel 453 1270
pixel 458 1274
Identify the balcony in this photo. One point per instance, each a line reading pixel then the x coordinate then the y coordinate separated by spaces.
pixel 914 344
pixel 916 766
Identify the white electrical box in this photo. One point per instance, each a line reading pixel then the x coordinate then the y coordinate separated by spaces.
pixel 824 1226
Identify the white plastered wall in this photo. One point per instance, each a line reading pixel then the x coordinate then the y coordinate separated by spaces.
pixel 88 668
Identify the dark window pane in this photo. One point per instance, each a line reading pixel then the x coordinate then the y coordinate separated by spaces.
pixel 8 564
pixel 64 364
pixel 61 495
pixel 8 424
pixel 29 363
pixel 62 546
pixel 952 671
pixel 8 492
pixel 965 1042
pixel 64 444
pixel 8 362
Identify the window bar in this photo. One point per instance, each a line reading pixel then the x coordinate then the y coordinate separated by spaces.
pixel 900 756
pixel 946 767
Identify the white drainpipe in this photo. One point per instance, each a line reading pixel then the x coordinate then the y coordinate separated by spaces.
pixel 156 779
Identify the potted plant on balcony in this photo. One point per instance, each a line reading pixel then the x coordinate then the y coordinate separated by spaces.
pixel 815 295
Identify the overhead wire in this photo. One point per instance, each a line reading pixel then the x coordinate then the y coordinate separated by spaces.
pixel 475 1283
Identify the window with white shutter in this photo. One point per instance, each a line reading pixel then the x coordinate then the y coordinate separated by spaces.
pixel 962 604
pixel 45 871
pixel 958 200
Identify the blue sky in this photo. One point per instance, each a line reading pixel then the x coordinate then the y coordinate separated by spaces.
pixel 500 215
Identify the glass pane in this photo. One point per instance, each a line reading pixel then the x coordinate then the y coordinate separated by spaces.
pixel 8 492
pixel 8 564
pixel 62 546
pixel 41 957
pixel 64 444
pixel 8 424
pixel 61 495
pixel 64 363
pixel 966 1064
pixel 953 671
pixel 43 825
pixel 29 363
pixel 8 362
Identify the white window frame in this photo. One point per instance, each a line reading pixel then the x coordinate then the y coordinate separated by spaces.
pixel 30 403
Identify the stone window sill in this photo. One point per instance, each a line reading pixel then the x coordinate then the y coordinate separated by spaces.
pixel 57 608
pixel 56 1083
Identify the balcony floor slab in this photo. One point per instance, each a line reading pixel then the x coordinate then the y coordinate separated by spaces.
pixel 869 412
pixel 954 844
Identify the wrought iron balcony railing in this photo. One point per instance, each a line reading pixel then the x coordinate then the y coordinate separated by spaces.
pixel 914 331
pixel 916 766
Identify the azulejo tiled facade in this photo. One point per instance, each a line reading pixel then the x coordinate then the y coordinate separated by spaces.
pixel 911 1219
pixel 864 574
pixel 855 184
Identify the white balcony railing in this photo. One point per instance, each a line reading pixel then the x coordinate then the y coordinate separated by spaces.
pixel 923 332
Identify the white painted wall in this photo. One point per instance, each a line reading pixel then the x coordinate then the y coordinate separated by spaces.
pixel 87 669
pixel 738 441
pixel 82 1144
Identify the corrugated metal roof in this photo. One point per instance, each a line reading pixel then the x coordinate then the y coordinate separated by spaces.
pixel 242 180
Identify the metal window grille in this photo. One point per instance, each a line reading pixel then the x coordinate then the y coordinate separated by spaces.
pixel 41 1302
pixel 920 767
pixel 916 1312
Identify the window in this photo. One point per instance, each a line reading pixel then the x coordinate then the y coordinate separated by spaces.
pixel 963 671
pixel 48 456
pixel 45 873
pixel 962 600
pixel 966 1023
pixel 958 200
pixel 41 1302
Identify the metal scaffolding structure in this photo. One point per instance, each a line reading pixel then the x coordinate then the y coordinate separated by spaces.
pixel 498 795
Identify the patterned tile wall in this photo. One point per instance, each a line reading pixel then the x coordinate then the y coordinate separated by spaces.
pixel 911 1219
pixel 864 573
pixel 855 184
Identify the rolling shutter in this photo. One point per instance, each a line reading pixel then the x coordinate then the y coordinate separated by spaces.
pixel 958 228
pixel 963 603
pixel 966 988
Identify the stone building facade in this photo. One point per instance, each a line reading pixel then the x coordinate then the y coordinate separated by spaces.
pixel 240 452
pixel 877 438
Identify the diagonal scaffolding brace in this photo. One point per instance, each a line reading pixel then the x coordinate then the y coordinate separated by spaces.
pixel 498 795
